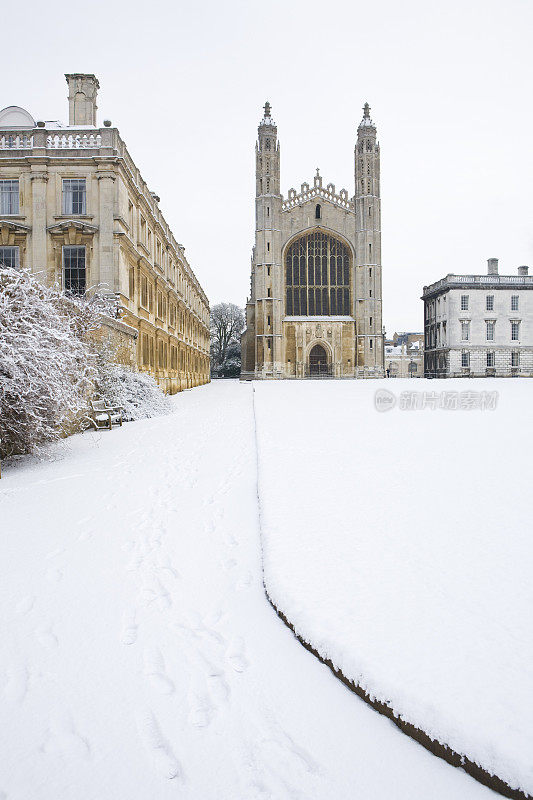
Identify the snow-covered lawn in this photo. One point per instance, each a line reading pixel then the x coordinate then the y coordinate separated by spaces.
pixel 139 658
pixel 399 545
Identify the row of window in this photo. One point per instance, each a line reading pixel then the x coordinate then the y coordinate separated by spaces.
pixel 490 330
pixel 162 259
pixel 489 302
pixel 490 358
pixel 74 202
pixel 156 356
pixel 75 282
pixel 186 325
pixel 74 196
pixel 317 301
pixel 74 266
pixel 366 143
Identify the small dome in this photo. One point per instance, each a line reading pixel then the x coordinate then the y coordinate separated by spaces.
pixel 16 117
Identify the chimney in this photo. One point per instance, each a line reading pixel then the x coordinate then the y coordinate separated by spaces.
pixel 492 266
pixel 82 91
pixel 523 270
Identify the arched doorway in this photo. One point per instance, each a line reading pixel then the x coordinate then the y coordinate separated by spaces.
pixel 318 361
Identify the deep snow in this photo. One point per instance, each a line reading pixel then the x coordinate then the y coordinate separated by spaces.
pixel 399 545
pixel 139 657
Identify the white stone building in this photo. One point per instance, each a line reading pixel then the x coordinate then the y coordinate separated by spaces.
pixel 315 302
pixel 404 360
pixel 479 325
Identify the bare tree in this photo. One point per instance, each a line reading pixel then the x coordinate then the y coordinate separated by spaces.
pixel 227 324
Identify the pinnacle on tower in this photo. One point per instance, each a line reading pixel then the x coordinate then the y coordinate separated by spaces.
pixel 366 122
pixel 267 119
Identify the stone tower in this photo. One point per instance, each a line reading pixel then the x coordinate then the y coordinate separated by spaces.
pixel 266 267
pixel 368 311
pixel 314 308
pixel 82 91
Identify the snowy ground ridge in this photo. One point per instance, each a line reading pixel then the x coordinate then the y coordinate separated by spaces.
pixel 437 748
pixel 433 745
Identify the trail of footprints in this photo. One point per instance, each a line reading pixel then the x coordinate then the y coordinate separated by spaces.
pixel 206 653
pixel 60 735
pixel 212 660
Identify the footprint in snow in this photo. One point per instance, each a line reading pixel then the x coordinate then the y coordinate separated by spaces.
pixel 165 565
pixel 155 670
pixel 25 605
pixel 158 747
pixel 235 655
pixel 156 594
pixel 47 638
pixel 218 687
pixel 62 738
pixel 229 539
pixel 245 581
pixel 201 707
pixel 16 687
pixel 129 628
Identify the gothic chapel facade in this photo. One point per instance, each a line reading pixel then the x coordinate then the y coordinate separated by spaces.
pixel 315 301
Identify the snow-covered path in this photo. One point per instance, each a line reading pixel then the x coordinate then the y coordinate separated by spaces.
pixel 139 657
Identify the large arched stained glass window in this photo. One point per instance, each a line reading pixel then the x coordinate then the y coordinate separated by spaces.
pixel 317 277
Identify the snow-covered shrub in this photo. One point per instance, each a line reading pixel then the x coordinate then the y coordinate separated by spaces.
pixel 136 392
pixel 46 364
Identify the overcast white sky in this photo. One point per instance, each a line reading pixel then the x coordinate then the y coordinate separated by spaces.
pixel 450 86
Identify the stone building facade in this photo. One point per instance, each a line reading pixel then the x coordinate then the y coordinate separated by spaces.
pixel 404 355
pixel 479 325
pixel 74 207
pixel 315 297
pixel 404 360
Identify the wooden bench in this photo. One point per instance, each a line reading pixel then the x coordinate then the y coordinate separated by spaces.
pixel 104 415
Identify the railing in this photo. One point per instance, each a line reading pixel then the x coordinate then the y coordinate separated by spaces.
pixel 479 280
pixel 319 371
pixel 73 141
pixel 16 141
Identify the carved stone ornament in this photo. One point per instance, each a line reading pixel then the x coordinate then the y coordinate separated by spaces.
pixel 73 232
pixel 13 234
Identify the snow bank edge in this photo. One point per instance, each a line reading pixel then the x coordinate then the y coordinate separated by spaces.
pixel 433 745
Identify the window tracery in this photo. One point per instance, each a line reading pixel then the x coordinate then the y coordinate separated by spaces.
pixel 317 276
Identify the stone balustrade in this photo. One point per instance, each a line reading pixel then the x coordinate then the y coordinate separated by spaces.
pixel 73 141
pixel 453 281
pixel 16 140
